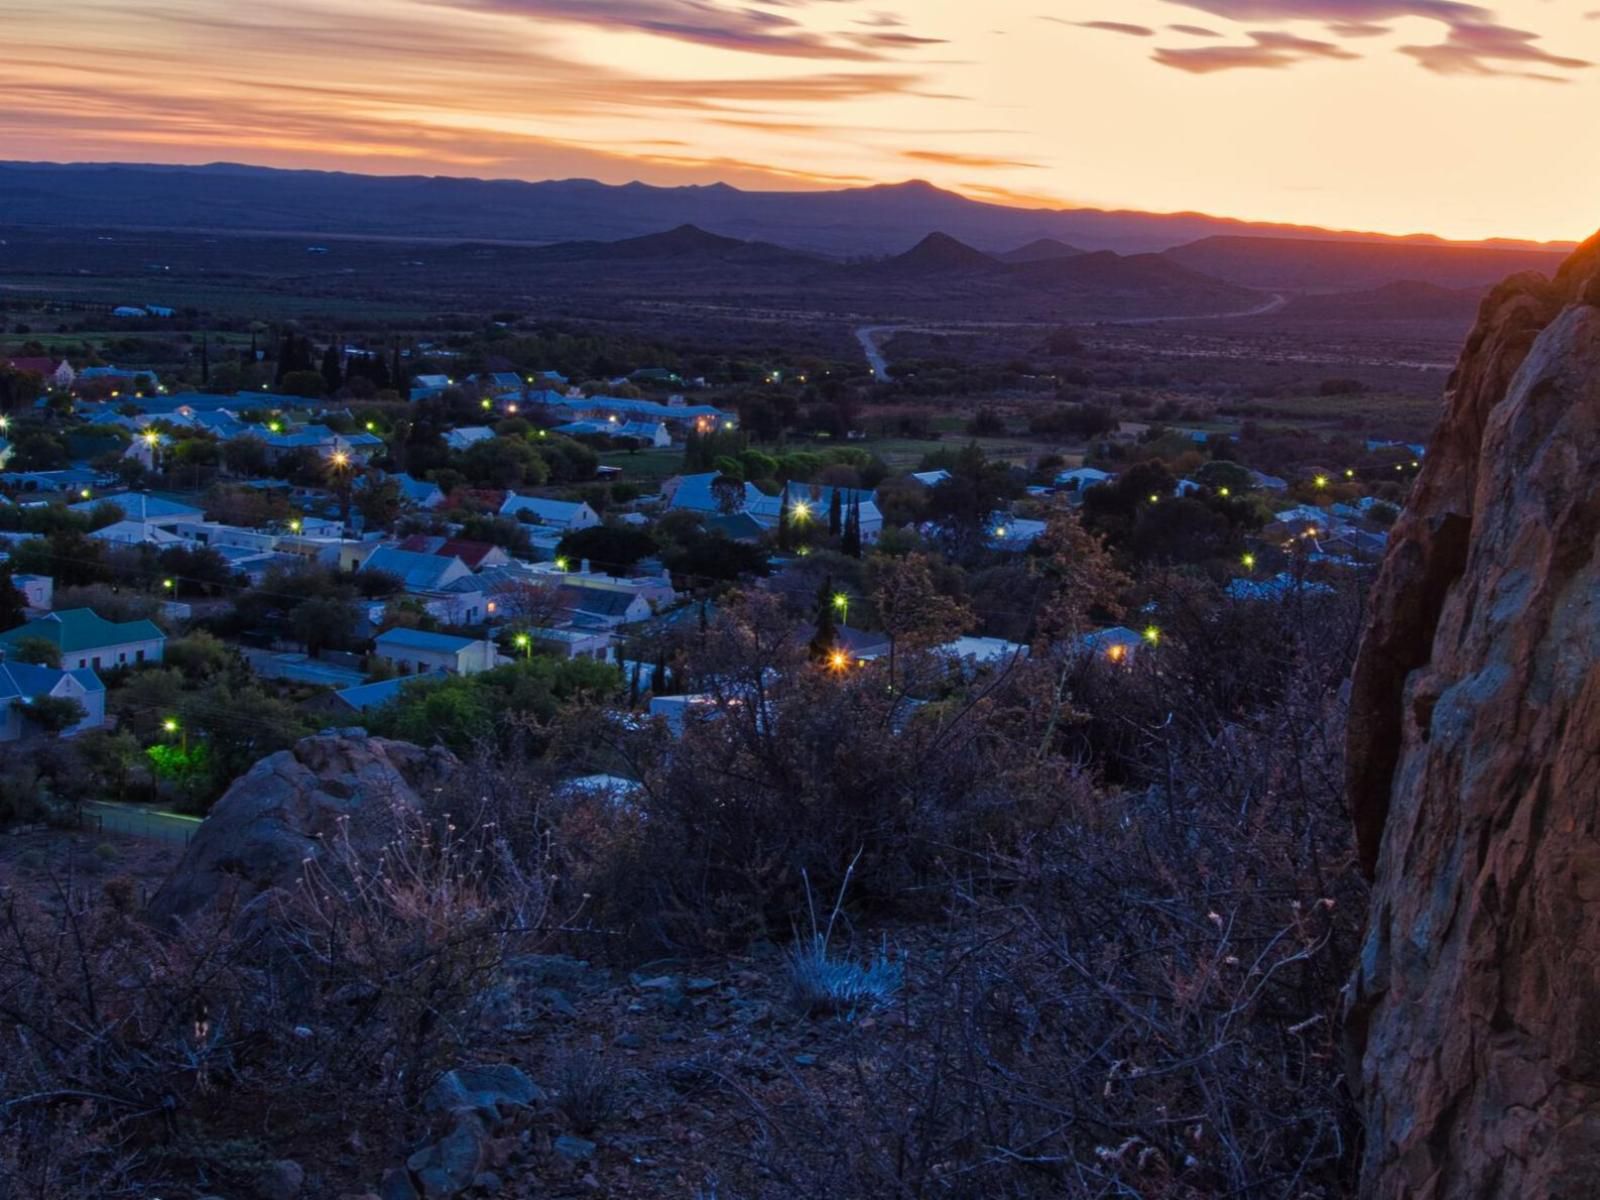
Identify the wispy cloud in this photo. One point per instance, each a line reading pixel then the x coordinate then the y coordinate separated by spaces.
pixel 1268 50
pixel 1142 31
pixel 1195 31
pixel 976 161
pixel 703 22
pixel 1484 49
pixel 1475 41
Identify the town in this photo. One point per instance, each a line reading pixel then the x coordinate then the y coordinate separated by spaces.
pixel 350 550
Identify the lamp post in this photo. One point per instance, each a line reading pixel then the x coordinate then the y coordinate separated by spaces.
pixel 525 644
pixel 173 725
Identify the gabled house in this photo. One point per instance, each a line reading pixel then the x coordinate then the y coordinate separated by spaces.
pixel 419 653
pixel 144 509
pixel 417 572
pixel 420 493
pixel 560 514
pixel 22 684
pixel 813 502
pixel 87 640
pixel 56 372
pixel 1081 479
pixel 468 435
pixel 476 555
pixel 601 608
pixel 694 493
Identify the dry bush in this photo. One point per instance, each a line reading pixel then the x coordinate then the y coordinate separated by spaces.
pixel 337 1002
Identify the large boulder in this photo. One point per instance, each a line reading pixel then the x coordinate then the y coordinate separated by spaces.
pixel 1474 775
pixel 290 807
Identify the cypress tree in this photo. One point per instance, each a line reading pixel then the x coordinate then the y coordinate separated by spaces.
pixel 331 376
pixel 826 639
pixel 850 543
pixel 785 530
pixel 835 514
pixel 658 676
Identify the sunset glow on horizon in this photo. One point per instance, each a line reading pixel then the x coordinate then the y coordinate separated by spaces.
pixel 1398 116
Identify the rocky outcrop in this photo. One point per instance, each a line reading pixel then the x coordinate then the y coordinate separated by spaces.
pixel 1474 775
pixel 290 806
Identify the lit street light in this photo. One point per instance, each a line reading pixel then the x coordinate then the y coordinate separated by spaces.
pixel 1249 561
pixel 525 644
pixel 1153 635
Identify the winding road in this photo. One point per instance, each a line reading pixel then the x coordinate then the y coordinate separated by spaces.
pixel 869 335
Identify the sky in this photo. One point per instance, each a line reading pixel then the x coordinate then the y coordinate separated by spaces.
pixel 1396 116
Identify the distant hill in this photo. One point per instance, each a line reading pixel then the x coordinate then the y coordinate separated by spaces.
pixel 854 222
pixel 1039 250
pixel 1407 300
pixel 686 242
pixel 1308 265
pixel 936 254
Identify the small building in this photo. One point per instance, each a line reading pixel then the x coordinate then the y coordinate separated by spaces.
pixel 145 509
pixel 476 555
pixel 56 372
pixel 467 436
pixel 87 640
pixel 417 572
pixel 419 493
pixel 559 514
pixel 365 697
pixel 418 653
pixel 21 684
pixel 1081 479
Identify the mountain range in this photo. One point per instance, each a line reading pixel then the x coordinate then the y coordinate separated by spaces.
pixel 854 222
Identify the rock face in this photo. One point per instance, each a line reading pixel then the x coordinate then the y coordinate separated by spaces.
pixel 1474 784
pixel 290 805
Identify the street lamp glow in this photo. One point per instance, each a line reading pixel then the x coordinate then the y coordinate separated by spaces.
pixel 1152 635
pixel 1321 481
pixel 371 425
pixel 341 459
pixel 838 660
pixel 1154 498
pixel 294 525
pixel 1349 473
pixel 1249 561
pixel 152 439
pixel 801 512
pixel 486 404
pixel 168 584
pixel 170 724
pixel 1222 491
pixel 561 564
pixel 85 493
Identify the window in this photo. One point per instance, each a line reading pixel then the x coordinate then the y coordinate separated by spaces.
pixel 138 656
pixel 97 661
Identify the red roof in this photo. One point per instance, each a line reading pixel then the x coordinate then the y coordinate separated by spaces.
pixel 471 553
pixel 39 366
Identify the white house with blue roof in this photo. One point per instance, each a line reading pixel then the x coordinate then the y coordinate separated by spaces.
pixel 560 514
pixel 21 684
pixel 416 652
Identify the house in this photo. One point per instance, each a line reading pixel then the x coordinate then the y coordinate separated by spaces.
pixel 367 696
pixel 814 502
pixel 649 433
pixel 1270 483
pixel 476 555
pixel 1013 533
pixel 1081 479
pixel 573 643
pixel 700 418
pixel 601 608
pixel 693 493
pixel 38 591
pixel 357 447
pixel 930 479
pixel 87 640
pixel 419 653
pixel 561 514
pixel 417 572
pixel 863 646
pixel 736 527
pixel 144 509
pixel 79 480
pixel 21 684
pixel 984 651
pixel 419 493
pixel 468 435
pixel 56 372
pixel 1118 644
pixel 136 533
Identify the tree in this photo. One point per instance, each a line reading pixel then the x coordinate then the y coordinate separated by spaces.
pixel 378 503
pixel 825 642
pixel 332 376
pixel 308 384
pixel 323 622
pixel 785 526
pixel 13 604
pixel 1082 584
pixel 612 548
pixel 911 608
pixel 835 513
pixel 245 456
pixel 51 714
pixel 41 652
pixel 850 543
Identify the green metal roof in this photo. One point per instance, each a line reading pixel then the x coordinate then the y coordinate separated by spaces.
pixel 77 629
